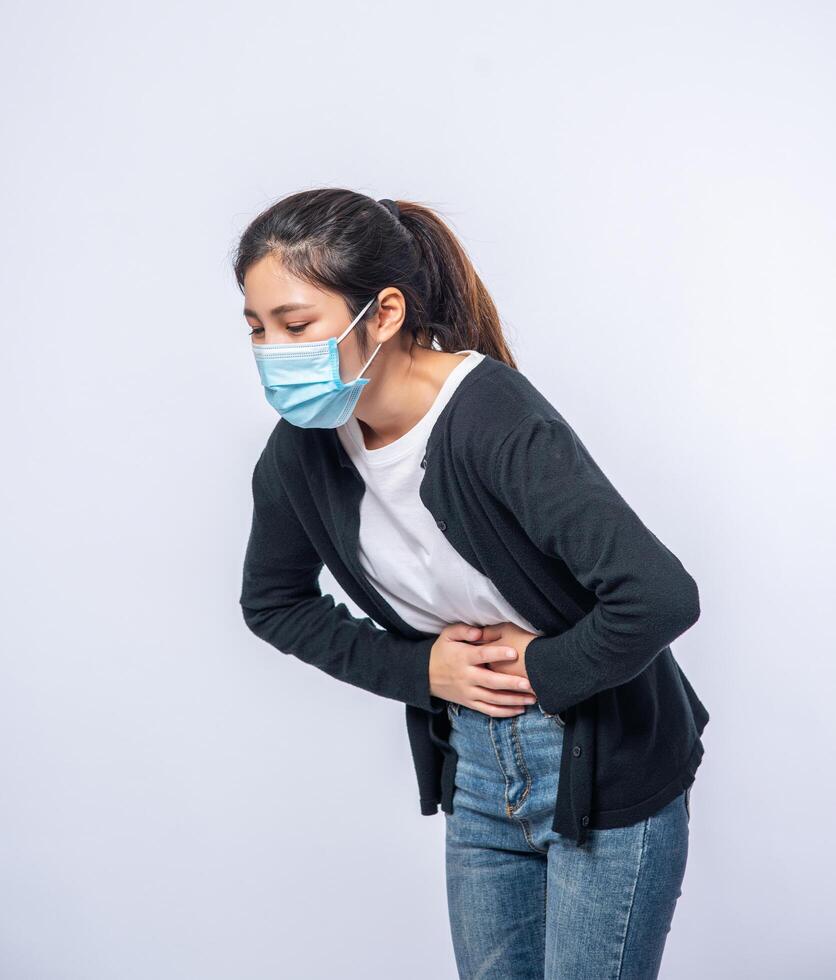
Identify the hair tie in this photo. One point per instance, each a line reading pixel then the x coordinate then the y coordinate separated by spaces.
pixel 391 206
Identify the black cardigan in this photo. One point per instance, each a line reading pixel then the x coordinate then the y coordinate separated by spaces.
pixel 520 498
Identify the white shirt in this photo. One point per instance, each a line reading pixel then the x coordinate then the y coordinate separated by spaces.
pixel 406 557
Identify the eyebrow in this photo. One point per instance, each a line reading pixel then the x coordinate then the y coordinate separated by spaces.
pixel 284 308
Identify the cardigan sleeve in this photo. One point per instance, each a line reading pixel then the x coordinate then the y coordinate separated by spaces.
pixel 282 603
pixel 645 598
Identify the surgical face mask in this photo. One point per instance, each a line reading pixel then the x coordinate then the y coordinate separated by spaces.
pixel 302 381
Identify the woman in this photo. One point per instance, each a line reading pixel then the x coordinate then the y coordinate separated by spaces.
pixel 517 606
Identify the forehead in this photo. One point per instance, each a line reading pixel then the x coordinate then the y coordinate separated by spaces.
pixel 281 309
pixel 270 290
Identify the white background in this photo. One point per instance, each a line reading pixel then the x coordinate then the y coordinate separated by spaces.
pixel 648 192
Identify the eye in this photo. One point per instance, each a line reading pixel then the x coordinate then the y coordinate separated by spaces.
pixel 295 329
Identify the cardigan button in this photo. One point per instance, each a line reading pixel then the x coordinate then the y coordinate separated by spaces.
pixel 585 820
pixel 576 751
pixel 442 525
pixel 424 463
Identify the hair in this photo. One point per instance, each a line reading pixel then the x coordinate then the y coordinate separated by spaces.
pixel 353 245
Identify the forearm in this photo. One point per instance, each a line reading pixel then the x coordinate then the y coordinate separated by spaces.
pixel 602 651
pixel 350 649
pixel 282 603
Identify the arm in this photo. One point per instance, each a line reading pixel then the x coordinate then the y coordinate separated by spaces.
pixel 546 477
pixel 282 604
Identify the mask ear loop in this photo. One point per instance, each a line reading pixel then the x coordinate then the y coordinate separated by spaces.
pixel 349 327
pixel 369 361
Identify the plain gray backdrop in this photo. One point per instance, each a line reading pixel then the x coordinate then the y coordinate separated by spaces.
pixel 647 191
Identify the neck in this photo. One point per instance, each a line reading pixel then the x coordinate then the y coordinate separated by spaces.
pixel 403 387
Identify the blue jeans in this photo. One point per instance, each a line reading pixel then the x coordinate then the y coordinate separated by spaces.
pixel 526 903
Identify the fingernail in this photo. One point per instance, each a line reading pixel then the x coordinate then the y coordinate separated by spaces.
pixel 510 653
pixel 524 685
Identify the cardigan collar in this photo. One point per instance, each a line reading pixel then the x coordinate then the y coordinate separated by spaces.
pixel 487 365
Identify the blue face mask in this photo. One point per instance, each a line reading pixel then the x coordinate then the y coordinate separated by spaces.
pixel 302 381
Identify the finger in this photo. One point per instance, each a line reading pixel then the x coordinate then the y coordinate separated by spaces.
pixel 505 697
pixel 494 629
pixel 497 681
pixel 512 668
pixel 494 652
pixel 495 711
pixel 464 632
pixel 492 632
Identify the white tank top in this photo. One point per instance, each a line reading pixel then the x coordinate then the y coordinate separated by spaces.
pixel 406 557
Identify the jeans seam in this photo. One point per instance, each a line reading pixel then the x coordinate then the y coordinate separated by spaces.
pixel 526 829
pixel 499 763
pixel 515 738
pixel 632 898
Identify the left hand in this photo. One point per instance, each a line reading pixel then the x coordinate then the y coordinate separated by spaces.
pixel 508 634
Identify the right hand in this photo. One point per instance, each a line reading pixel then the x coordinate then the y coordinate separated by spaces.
pixel 456 673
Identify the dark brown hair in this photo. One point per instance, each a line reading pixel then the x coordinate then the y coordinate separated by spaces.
pixel 349 243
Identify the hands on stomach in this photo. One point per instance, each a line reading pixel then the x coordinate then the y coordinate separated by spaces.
pixel 482 668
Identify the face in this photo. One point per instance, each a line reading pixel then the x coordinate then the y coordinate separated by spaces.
pixel 280 309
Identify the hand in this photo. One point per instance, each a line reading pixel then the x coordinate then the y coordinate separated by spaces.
pixel 509 634
pixel 457 673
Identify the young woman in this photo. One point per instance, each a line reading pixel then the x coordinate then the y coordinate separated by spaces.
pixel 516 605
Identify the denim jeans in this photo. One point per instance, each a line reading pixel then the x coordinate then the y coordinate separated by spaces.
pixel 525 902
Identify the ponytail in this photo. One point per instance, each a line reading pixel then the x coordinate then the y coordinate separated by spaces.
pixel 353 245
pixel 456 296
